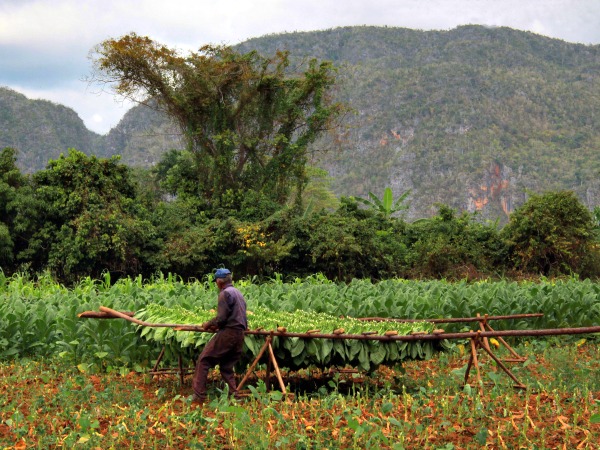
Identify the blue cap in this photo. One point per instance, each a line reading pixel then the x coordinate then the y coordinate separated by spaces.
pixel 222 273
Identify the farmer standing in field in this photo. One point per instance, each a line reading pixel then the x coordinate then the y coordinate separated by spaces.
pixel 225 348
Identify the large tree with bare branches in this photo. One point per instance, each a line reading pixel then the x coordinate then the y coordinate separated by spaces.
pixel 247 119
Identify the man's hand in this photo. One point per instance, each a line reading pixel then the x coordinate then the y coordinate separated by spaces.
pixel 209 327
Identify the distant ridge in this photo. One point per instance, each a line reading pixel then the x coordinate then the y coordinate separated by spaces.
pixel 473 117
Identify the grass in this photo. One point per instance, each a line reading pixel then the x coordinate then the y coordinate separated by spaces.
pixel 46 404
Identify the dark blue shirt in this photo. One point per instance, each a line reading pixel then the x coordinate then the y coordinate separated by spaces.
pixel 231 309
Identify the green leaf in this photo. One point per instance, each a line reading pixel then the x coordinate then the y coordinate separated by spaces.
pixel 298 348
pixel 377 352
pixel 326 348
pixel 311 347
pixel 250 343
pixel 339 348
pixel 363 356
pixel 353 348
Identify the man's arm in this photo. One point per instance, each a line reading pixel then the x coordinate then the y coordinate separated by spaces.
pixel 222 313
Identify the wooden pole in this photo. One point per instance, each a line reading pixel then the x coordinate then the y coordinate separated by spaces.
pixel 277 372
pixel 254 363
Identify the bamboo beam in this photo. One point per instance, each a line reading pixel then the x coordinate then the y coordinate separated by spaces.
pixel 121 315
pixel 108 315
pixel 416 337
pixel 452 320
pixel 102 315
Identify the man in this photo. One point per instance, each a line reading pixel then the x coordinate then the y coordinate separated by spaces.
pixel 225 348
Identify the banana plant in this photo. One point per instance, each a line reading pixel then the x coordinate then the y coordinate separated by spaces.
pixel 386 205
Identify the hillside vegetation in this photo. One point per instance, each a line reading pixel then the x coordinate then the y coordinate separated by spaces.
pixel 474 117
pixel 42 130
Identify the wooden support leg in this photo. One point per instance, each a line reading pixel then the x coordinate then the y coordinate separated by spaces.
pixel 180 370
pixel 482 325
pixel 517 357
pixel 477 342
pixel 469 366
pixel 474 344
pixel 160 356
pixel 272 362
pixel 268 371
pixel 254 363
pixel 277 372
pixel 503 367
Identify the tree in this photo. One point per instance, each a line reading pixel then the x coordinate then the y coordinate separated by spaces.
pixel 552 234
pixel 454 246
pixel 247 120
pixel 596 220
pixel 318 194
pixel 85 219
pixel 11 180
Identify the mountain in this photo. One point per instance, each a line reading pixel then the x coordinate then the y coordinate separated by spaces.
pixel 142 136
pixel 41 130
pixel 474 117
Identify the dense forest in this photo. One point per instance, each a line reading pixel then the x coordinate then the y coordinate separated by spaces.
pixel 84 216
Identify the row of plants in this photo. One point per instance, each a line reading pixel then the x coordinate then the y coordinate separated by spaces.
pixel 564 303
pixel 39 316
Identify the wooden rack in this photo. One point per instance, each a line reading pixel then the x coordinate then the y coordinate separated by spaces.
pixel 478 340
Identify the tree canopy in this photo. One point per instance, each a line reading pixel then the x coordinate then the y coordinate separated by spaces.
pixel 246 118
pixel 82 219
pixel 552 233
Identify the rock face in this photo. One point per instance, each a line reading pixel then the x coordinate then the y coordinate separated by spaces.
pixel 474 118
pixel 142 137
pixel 496 190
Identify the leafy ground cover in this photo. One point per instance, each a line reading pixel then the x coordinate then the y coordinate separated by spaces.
pixel 47 404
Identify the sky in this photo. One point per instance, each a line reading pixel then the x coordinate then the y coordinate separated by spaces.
pixel 45 45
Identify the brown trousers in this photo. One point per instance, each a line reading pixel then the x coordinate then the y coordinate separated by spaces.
pixel 224 349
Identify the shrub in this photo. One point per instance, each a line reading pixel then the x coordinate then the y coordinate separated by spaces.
pixel 552 234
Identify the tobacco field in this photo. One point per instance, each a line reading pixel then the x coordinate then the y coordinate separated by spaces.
pixel 73 382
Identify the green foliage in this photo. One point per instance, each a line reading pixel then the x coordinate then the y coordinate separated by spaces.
pixel 349 243
pixel 176 173
pixel 453 246
pixel 553 234
pixel 84 219
pixel 39 316
pixel 12 187
pixel 386 206
pixel 317 195
pixel 596 221
pixel 8 170
pixel 295 352
pixel 247 122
